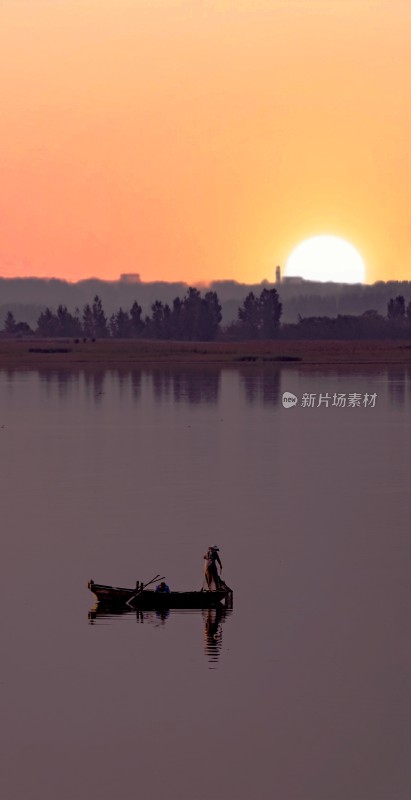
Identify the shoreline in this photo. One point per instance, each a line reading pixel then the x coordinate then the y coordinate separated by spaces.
pixel 66 353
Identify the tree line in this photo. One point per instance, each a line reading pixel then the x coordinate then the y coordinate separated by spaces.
pixel 368 325
pixel 197 317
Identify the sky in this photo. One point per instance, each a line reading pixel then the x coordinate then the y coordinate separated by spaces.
pixel 197 141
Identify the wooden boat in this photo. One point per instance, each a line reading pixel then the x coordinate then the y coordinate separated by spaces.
pixel 148 598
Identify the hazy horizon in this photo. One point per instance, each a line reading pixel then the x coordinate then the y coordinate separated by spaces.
pixel 27 297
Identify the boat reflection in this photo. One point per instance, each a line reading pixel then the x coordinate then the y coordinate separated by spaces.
pixel 212 618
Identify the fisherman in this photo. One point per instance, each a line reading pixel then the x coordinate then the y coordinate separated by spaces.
pixel 211 572
pixel 162 587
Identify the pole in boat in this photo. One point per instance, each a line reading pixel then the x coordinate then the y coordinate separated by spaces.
pixel 142 587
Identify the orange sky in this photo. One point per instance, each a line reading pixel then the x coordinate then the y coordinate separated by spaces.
pixel 190 140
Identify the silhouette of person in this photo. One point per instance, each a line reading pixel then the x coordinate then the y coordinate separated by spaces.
pixel 211 572
pixel 162 587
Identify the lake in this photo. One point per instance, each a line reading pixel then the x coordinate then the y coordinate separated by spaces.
pixel 301 692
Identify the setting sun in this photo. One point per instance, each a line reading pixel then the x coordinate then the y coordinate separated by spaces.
pixel 326 258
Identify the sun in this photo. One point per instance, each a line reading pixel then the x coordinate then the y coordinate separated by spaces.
pixel 326 258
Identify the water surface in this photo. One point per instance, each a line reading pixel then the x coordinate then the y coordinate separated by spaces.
pixel 302 691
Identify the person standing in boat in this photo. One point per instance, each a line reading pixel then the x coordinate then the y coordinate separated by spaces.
pixel 211 571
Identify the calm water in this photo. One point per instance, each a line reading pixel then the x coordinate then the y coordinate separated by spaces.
pixel 302 691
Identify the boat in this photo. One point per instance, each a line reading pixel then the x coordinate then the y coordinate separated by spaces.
pixel 140 597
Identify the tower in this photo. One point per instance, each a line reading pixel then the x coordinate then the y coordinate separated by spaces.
pixel 278 274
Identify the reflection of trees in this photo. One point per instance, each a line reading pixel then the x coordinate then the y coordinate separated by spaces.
pixel 181 385
pixel 263 387
pixel 397 383
pixel 122 379
pixel 136 383
pixel 62 379
pixel 161 385
pixel 94 383
pixel 196 387
pixel 189 386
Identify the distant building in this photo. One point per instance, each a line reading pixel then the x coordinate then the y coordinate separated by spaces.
pixel 294 280
pixel 278 275
pixel 130 277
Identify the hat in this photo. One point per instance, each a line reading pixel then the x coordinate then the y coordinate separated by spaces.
pixel 214 547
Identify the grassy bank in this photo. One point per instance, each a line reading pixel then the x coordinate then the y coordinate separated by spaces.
pixel 61 353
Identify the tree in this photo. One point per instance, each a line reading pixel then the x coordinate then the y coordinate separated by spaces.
pixel 249 316
pixel 13 328
pixel 194 318
pixel 177 319
pixel 372 324
pixel 23 329
pixel 99 319
pixel 10 324
pixel 63 323
pixel 120 325
pixel 396 308
pixel 167 322
pixel 136 321
pixel 211 316
pixel 88 322
pixel 67 324
pixel 160 322
pixel 396 317
pixel 47 324
pixel 191 314
pixel 270 313
pixel 260 316
pixel 77 317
